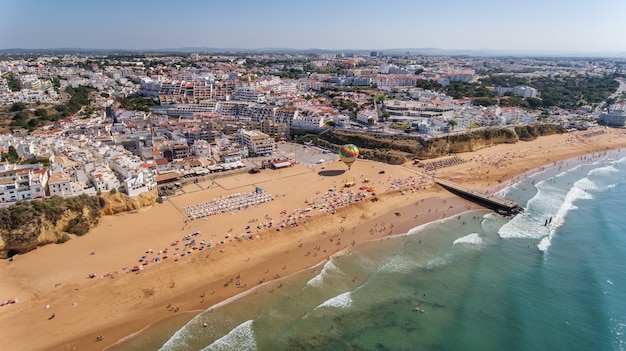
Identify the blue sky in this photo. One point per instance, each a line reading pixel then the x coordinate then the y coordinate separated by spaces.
pixel 548 25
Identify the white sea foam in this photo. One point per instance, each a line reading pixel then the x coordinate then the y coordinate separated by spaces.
pixel 603 170
pixel 240 338
pixel 530 224
pixel 575 193
pixel 564 173
pixel 472 239
pixel 178 340
pixel 548 202
pixel 340 301
pixel 601 175
pixel 545 243
pixel 621 160
pixel 490 216
pixel 438 261
pixel 329 268
pixel 617 328
pixel 419 228
pixel 399 264
pixel 367 263
pixel 586 184
pixel 488 220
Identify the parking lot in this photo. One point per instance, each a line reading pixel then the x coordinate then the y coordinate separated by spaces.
pixel 303 154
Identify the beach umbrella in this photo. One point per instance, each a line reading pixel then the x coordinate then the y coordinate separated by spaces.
pixel 348 154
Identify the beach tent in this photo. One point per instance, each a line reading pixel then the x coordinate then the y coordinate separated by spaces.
pixel 283 164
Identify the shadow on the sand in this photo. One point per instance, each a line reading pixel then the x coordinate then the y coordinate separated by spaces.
pixel 332 172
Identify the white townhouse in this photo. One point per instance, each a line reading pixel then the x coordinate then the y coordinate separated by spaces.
pixel 367 116
pixel 313 122
pixel 22 182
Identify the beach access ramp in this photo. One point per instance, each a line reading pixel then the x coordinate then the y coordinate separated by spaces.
pixel 498 204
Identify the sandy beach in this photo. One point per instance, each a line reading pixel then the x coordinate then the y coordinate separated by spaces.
pixel 69 294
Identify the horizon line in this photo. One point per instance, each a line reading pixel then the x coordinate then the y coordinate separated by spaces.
pixel 426 51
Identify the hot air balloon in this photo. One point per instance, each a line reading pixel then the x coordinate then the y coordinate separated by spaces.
pixel 348 154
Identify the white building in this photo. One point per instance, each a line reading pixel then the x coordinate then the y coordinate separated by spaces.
pixel 521 91
pixel 59 184
pixel 135 185
pixel 62 184
pixel 24 182
pixel 249 95
pixel 201 148
pixel 367 116
pixel 103 179
pixel 313 122
pixel 613 118
pixel 257 143
pixel 411 109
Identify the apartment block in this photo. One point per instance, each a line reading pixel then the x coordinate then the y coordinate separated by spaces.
pixel 258 144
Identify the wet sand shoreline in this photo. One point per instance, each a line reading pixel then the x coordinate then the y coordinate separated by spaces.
pixel 124 303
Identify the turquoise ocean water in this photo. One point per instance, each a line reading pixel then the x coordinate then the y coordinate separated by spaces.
pixel 474 282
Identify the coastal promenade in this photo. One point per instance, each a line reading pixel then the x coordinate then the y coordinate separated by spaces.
pixel 498 204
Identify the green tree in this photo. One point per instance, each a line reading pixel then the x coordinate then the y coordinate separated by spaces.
pixel 428 84
pixel 18 106
pixel 514 101
pixel 485 101
pixel 137 104
pixel 33 123
pixel 13 83
pixel 41 113
pixel 534 103
pixel 79 98
pixel 568 92
pixel 12 155
pixel 482 91
pixel 20 119
pixel 452 123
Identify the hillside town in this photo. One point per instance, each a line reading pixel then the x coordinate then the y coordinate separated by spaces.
pixel 156 119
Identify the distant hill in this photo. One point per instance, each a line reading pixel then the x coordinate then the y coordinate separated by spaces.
pixel 386 52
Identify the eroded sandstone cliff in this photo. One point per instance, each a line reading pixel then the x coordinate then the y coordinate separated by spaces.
pixel 400 148
pixel 28 224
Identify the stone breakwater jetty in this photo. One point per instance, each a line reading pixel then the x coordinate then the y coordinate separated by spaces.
pixel 498 204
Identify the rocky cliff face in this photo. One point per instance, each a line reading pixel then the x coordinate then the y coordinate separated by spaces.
pixel 39 231
pixel 400 148
pixel 29 225
pixel 120 202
